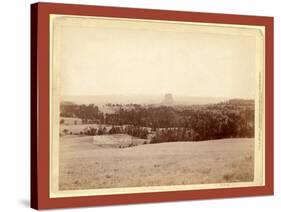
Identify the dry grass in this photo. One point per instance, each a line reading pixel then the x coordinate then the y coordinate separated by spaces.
pixel 84 165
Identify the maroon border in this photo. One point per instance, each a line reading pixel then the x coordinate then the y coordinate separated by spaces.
pixel 40 105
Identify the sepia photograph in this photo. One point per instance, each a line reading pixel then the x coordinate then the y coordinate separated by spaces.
pixel 147 105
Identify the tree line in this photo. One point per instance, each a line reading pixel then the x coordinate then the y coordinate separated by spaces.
pixel 139 132
pixel 174 123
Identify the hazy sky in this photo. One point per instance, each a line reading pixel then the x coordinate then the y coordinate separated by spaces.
pixel 99 57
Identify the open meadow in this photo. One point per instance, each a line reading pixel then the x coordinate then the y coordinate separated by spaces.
pixel 111 161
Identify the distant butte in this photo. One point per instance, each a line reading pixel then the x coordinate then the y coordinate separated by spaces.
pixel 168 99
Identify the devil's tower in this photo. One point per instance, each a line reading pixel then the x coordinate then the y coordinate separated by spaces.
pixel 168 99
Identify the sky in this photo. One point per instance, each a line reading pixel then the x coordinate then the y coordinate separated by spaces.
pixel 112 56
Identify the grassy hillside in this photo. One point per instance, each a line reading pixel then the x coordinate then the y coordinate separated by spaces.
pixel 85 165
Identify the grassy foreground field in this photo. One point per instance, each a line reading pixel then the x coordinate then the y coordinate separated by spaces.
pixel 86 165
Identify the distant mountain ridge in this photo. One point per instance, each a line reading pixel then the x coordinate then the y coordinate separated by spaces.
pixel 166 99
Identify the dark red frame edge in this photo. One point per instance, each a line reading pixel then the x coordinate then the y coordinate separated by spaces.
pixel 40 105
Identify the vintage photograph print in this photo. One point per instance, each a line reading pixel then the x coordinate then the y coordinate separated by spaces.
pixel 155 105
pixel 140 105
